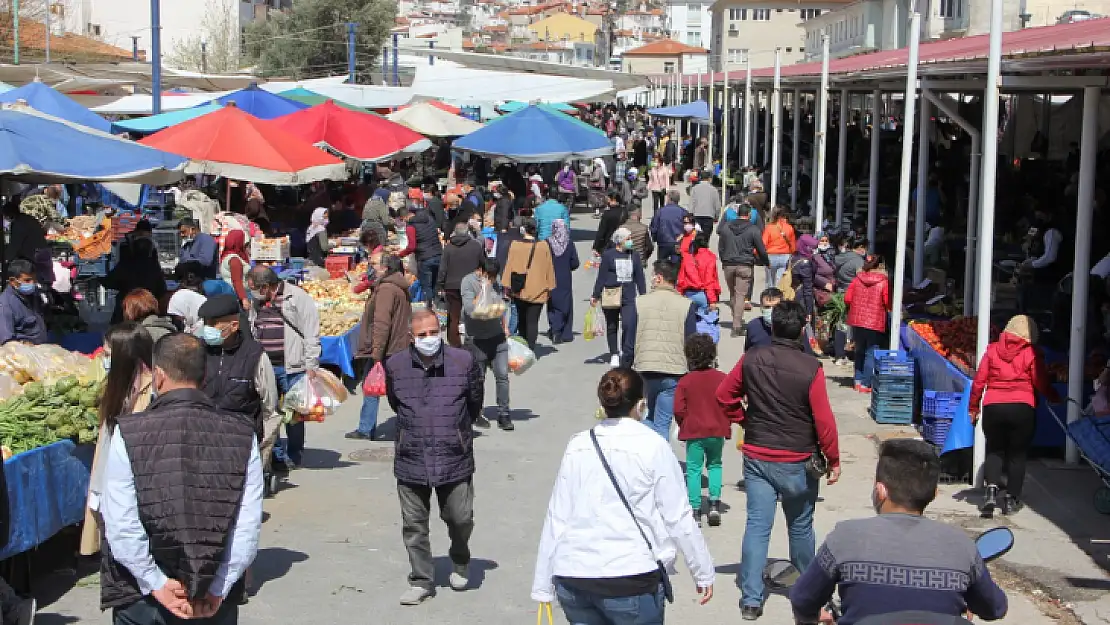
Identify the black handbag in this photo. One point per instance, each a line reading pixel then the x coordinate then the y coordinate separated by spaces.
pixel 664 579
pixel 517 281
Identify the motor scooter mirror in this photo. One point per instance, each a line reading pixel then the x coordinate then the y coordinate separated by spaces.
pixel 994 543
pixel 780 574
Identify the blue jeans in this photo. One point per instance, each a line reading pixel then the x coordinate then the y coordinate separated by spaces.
pixel 775 269
pixel 368 415
pixel 429 273
pixel 764 481
pixel 514 320
pixel 660 400
pixel 586 608
pixel 292 446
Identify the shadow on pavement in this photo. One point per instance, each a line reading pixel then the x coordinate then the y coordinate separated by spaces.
pixel 273 563
pixel 323 459
pixel 54 619
pixel 477 572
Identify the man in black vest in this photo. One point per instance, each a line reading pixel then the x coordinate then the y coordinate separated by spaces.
pixel 787 421
pixel 182 500
pixel 238 375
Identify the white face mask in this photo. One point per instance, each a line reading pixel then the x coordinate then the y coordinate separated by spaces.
pixel 428 345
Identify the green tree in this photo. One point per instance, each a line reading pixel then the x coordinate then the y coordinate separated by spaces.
pixel 216 48
pixel 311 39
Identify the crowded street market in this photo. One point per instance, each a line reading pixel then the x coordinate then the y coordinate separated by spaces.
pixel 883 268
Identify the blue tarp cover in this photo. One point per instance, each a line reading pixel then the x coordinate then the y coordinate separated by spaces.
pixel 936 373
pixel 340 350
pixel 52 102
pixel 154 123
pixel 694 111
pixel 513 106
pixel 47 489
pixel 537 134
pixel 262 104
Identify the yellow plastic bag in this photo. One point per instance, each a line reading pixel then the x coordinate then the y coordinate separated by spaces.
pixel 588 324
pixel 540 612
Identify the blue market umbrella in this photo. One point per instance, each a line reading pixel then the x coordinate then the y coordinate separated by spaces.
pixel 515 105
pixel 38 148
pixel 536 134
pixel 693 111
pixel 5 87
pixel 262 104
pixel 154 123
pixel 52 102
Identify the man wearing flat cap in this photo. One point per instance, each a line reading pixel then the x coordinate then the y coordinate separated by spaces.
pixel 238 374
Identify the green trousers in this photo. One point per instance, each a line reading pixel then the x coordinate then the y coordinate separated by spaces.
pixel 703 452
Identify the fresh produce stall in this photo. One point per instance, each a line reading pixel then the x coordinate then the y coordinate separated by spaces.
pixel 340 311
pixel 47 488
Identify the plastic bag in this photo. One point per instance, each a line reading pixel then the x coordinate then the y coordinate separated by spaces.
pixel 374 384
pixel 9 387
pixel 314 274
pixel 490 304
pixel 314 399
pixel 40 363
pixel 520 357
pixel 588 324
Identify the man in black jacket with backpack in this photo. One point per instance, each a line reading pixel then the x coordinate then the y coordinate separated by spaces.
pixel 740 248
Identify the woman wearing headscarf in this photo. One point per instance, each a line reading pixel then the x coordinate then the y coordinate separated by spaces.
pixel 598 181
pixel 560 307
pixel 137 269
pixel 804 272
pixel 255 207
pixel 620 268
pixel 235 263
pixel 375 217
pixel 316 237
pixel 1009 376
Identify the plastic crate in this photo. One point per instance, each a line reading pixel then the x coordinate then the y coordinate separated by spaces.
pixel 167 240
pixel 271 250
pixel 892 417
pixel 337 266
pixel 894 362
pixel 96 267
pixel 935 429
pixel 297 264
pixel 940 403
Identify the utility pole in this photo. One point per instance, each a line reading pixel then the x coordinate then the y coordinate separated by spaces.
pixel 204 56
pixel 396 74
pixel 46 21
pixel 351 29
pixel 135 48
pixel 15 32
pixel 155 56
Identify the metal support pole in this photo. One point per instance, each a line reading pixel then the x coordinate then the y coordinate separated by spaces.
pixel 822 137
pixel 748 116
pixel 985 261
pixel 396 53
pixel 841 156
pixel 712 121
pixel 776 131
pixel 46 22
pixel 873 174
pixel 431 57
pixel 767 132
pixel 1077 344
pixel 920 202
pixel 795 154
pixel 135 48
pixel 726 112
pixel 904 188
pixel 155 56
pixel 15 32
pixel 203 56
pixel 351 26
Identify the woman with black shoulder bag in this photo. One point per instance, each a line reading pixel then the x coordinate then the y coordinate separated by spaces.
pixel 531 278
pixel 620 278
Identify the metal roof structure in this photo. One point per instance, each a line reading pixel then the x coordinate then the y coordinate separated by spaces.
pixel 1083 44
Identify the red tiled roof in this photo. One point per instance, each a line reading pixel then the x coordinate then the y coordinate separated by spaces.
pixel 667 47
pixel 496 28
pixel 32 36
pixel 1058 39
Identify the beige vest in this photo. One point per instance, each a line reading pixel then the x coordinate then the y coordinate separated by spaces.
pixel 661 332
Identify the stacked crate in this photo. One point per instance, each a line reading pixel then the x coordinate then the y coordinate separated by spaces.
pixel 892 388
pixel 938 408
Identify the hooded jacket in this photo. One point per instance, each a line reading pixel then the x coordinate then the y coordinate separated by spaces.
pixel 740 243
pixel 698 272
pixel 1010 372
pixel 848 264
pixel 375 217
pixel 868 300
pixel 384 328
pixel 461 256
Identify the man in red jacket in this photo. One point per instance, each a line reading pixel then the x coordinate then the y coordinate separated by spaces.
pixel 787 422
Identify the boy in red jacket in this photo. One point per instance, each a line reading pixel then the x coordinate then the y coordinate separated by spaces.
pixel 702 423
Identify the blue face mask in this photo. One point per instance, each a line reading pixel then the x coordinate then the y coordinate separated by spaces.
pixel 27 288
pixel 212 336
pixel 767 316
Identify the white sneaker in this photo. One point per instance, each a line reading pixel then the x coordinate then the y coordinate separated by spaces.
pixel 416 595
pixel 458 579
pixel 615 361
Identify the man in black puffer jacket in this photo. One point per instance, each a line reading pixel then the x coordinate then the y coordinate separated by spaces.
pixel 461 257
pixel 740 249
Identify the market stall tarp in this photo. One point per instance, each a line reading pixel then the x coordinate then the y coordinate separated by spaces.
pixel 432 121
pixel 693 111
pixel 142 103
pixel 462 85
pixel 360 96
pixel 340 351
pixel 937 373
pixel 239 146
pixel 47 490
pixel 43 98
pixel 439 104
pixel 38 148
pixel 154 123
pixel 353 134
pixel 261 103
pixel 311 98
pixel 536 134
pixel 513 106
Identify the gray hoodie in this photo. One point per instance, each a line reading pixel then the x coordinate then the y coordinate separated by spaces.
pixel 705 201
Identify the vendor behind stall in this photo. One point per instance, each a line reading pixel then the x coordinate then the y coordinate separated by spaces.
pixel 21 306
pixel 198 246
pixel 26 238
pixel 1045 261
pixel 316 237
pixel 139 269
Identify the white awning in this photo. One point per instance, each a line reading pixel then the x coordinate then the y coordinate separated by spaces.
pixel 500 62
pixel 462 85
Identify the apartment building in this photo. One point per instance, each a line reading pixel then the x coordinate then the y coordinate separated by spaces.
pixel 665 57
pixel 689 21
pixel 752 29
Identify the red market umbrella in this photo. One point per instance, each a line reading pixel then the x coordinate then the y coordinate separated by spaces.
pixel 353 134
pixel 237 145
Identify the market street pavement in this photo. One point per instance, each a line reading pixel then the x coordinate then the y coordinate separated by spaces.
pixel 331 546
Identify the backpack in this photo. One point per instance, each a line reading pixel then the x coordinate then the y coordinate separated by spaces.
pixel 786 283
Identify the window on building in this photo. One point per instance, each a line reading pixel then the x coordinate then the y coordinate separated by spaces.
pixel 761 15
pixel 950 9
pixel 668 67
pixel 737 15
pixel 789 50
pixel 808 14
pixel 737 56
pixel 693 38
pixel 93 29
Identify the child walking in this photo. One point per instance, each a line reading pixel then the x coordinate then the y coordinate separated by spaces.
pixel 702 423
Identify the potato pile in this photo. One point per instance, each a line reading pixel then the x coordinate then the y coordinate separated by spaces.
pixel 340 309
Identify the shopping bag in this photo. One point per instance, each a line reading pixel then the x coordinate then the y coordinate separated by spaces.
pixel 374 384
pixel 521 358
pixel 599 323
pixel 588 324
pixel 312 399
pixel 489 304
pixel 540 611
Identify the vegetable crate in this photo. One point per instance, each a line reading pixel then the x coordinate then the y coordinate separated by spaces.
pixel 938 409
pixel 893 362
pixel 124 224
pixel 337 265
pixel 892 388
pixel 272 250
pixel 935 429
pixel 100 266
